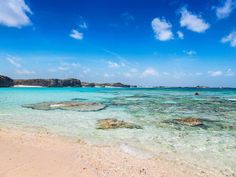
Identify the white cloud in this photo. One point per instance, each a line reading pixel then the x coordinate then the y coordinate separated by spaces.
pixel 133 70
pixel 193 22
pixel 215 73
pixel 180 34
pixel 198 73
pixel 150 72
pixel 129 75
pixel 13 61
pixel 127 16
pixel 162 29
pixel 190 52
pixel 70 64
pixel 229 72
pixel 112 64
pixel 13 13
pixel 231 38
pixel 179 74
pixel 108 75
pixel 114 54
pixel 166 73
pixel 225 10
pixel 24 72
pixel 76 34
pixel 83 25
pixel 52 70
pixel 65 66
pixel 86 70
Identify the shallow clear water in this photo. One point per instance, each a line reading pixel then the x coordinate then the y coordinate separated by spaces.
pixel 213 144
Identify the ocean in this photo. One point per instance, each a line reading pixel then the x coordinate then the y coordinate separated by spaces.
pixel 211 144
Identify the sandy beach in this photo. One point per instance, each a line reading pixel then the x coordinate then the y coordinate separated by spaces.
pixel 117 88
pixel 24 154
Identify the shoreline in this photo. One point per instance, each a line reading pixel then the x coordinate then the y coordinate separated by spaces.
pixel 6 81
pixel 21 154
pixel 26 86
pixel 163 147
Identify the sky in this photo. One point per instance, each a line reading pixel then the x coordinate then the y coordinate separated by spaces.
pixel 138 42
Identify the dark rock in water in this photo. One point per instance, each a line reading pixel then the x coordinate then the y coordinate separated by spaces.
pixel 6 81
pixel 49 82
pixel 207 124
pixel 69 105
pixel 114 124
pixel 119 103
pixel 189 121
pixel 197 94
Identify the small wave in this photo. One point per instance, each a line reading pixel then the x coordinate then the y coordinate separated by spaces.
pixel 5 114
pixel 232 99
pixel 135 152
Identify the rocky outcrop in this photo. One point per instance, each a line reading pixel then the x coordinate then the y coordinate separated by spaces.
pixel 112 85
pixel 201 86
pixel 189 121
pixel 114 124
pixel 91 84
pixel 87 84
pixel 67 105
pixel 65 83
pixel 49 82
pixel 6 81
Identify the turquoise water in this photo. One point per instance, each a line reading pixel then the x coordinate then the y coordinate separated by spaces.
pixel 213 144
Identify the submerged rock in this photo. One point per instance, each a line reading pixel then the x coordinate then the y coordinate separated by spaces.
pixel 69 105
pixel 114 124
pixel 189 121
pixel 78 99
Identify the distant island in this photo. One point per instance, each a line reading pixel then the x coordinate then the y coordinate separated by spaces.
pixel 8 82
pixel 72 82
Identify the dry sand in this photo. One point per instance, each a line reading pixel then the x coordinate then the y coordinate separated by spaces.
pixel 43 155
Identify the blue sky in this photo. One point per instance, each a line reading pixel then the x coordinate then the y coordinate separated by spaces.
pixel 151 42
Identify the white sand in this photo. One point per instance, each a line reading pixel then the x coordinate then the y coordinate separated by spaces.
pixel 43 155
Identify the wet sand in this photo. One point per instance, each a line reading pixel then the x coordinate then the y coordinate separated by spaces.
pixel 28 154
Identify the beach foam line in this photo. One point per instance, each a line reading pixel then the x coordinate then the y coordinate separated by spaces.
pixel 26 86
pixel 5 114
pixel 232 99
pixel 141 154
